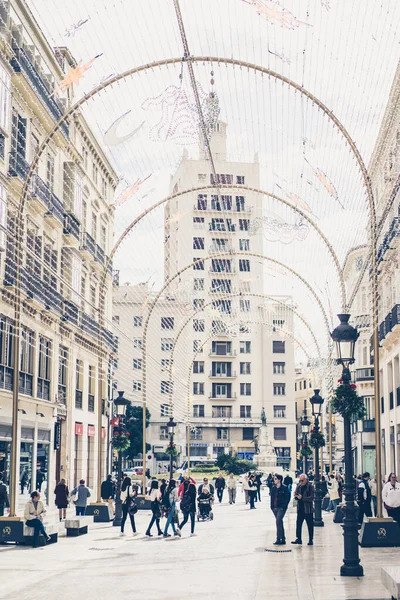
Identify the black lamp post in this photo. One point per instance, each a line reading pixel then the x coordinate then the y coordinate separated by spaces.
pixel 305 429
pixel 316 403
pixel 171 432
pixel 345 337
pixel 120 405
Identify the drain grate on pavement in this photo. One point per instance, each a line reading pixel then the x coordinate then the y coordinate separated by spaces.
pixel 101 549
pixel 273 550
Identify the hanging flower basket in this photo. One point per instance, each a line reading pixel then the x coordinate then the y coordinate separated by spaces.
pixel 317 440
pixel 121 442
pixel 171 450
pixel 305 450
pixel 346 402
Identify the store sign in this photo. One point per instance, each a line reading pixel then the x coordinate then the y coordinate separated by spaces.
pixel 57 436
pixel 61 411
pixel 78 428
pixel 91 430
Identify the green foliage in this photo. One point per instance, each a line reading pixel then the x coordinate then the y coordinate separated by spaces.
pixel 317 440
pixel 205 469
pixel 121 442
pixel 134 425
pixel 171 450
pixel 233 464
pixel 346 402
pixel 305 450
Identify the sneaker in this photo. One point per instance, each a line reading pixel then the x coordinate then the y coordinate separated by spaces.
pixel 160 533
pixel 192 535
pixel 122 534
pixel 149 534
pixel 297 542
pixel 178 532
pixel 134 533
pixel 166 534
pixel 310 543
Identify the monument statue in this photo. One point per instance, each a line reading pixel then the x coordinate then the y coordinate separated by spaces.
pixel 263 417
pixel 264 457
pixel 256 445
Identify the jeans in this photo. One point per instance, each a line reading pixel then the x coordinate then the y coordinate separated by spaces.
pixel 364 508
pixel 39 529
pixel 156 520
pixel 375 504
pixel 185 520
pixel 280 530
pixel 80 511
pixel 170 519
pixel 259 493
pixel 252 496
pixel 232 495
pixel 1 510
pixel 332 505
pixel 125 509
pixel 394 513
pixel 309 519
pixel 220 493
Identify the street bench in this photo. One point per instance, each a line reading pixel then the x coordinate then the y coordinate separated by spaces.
pixel 390 578
pixel 51 530
pixel 77 525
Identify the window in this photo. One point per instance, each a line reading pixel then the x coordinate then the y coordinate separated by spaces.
pixel 26 362
pixel 244 245
pixel 197 347
pixel 198 264
pixel 202 177
pixel 221 265
pixel 166 387
pixel 244 264
pixel 245 347
pixel 95 173
pixel 222 390
pixel 240 203
pixel 164 432
pixel 198 243
pixel 198 285
pixel 221 285
pixel 245 389
pixel 167 322
pixel 279 368
pixel 167 344
pixel 85 156
pixel 248 433
pixel 279 389
pixel 198 410
pixel 198 325
pixel 244 224
pixel 137 363
pixel 196 434
pixel 279 433
pixel 115 319
pixel 198 222
pixel 165 364
pixel 221 348
pixel 94 227
pixel 222 433
pixel 223 369
pixel 279 411
pixel 244 305
pixel 50 172
pixel 137 321
pixel 220 178
pixel 62 375
pixel 198 366
pixel 217 224
pixel 198 388
pixel 239 179
pixel 44 368
pixel 136 386
pixel 278 347
pixel 279 322
pixel 215 203
pixel 137 343
pixel 202 202
pixel 198 303
pixel 103 238
pixel 78 383
pixel 5 98
pixel 245 368
pixel 245 411
pixel 164 410
pixel 223 412
pixel 104 188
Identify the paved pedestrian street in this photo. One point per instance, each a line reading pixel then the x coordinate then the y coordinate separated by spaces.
pixel 226 559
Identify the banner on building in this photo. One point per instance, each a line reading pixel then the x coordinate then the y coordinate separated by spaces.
pixel 57 435
pixel 78 428
pixel 91 431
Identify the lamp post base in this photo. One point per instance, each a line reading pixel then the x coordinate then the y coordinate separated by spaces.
pixel 351 571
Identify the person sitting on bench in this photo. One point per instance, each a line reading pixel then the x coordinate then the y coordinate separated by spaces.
pixel 34 513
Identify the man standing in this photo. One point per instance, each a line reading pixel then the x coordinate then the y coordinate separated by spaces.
pixel 304 495
pixel 280 498
pixel 3 497
pixel 220 486
pixel 364 498
pixel 40 477
pixel 231 485
pixel 83 494
pixel 258 484
pixel 24 480
pixel 206 484
pixel 288 481
pixel 373 486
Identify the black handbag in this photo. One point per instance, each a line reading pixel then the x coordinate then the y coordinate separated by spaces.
pixel 132 510
pixel 156 508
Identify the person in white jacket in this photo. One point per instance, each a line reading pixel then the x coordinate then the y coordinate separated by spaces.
pixel 333 488
pixel 231 485
pixel 391 497
pixel 34 513
pixel 246 488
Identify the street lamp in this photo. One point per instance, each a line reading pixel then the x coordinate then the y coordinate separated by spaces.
pixel 120 405
pixel 171 432
pixel 305 429
pixel 316 403
pixel 345 337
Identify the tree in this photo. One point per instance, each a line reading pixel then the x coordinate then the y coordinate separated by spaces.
pixel 233 464
pixel 134 425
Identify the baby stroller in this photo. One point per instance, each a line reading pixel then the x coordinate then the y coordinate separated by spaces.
pixel 204 511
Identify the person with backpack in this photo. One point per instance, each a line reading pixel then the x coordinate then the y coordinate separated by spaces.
pixel 155 498
pixel 364 498
pixel 188 505
pixel 169 501
pixel 128 494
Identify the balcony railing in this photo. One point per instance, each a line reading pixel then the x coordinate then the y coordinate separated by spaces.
pixel 223 375
pixel 225 355
pixel 78 399
pixel 22 63
pixel 391 320
pixel 88 244
pixel 71 225
pixel 89 325
pixel 18 166
pixel 43 388
pixel 394 231
pixel 110 339
pixel 365 374
pixel 71 312
pixel 369 425
pixel 232 397
pixel 99 255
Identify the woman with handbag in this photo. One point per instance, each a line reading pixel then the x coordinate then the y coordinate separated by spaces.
pixel 155 497
pixel 128 504
pixel 170 499
pixel 62 498
pixel 188 505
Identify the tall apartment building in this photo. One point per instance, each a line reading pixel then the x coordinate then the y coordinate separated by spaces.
pixel 67 235
pixel 233 347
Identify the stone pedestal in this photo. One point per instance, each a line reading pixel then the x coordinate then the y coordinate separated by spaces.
pixel 266 459
pixel 101 512
pixel 379 533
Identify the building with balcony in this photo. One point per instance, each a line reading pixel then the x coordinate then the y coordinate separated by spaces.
pixel 66 238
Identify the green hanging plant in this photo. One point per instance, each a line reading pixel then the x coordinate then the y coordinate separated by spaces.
pixel 171 450
pixel 317 440
pixel 121 441
pixel 305 450
pixel 346 402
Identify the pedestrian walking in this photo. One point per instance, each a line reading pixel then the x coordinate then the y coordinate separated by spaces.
pixel 280 498
pixel 128 495
pixel 364 498
pixel 170 499
pixel 188 505
pixel 333 488
pixel 23 482
pixel 107 489
pixel 245 487
pixel 252 491
pixel 220 486
pixel 391 497
pixel 155 497
pixel 4 502
pixel 374 492
pixel 82 494
pixel 231 485
pixel 288 481
pixel 40 477
pixel 270 482
pixel 62 498
pixel 163 487
pixel 257 479
pixel 33 514
pixel 304 495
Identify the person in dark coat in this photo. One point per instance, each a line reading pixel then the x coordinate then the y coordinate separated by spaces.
pixel 188 505
pixel 280 498
pixel 288 481
pixel 3 497
pixel 270 482
pixel 62 498
pixel 24 480
pixel 304 495
pixel 364 498
pixel 40 477
pixel 107 489
pixel 220 486
pixel 258 485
